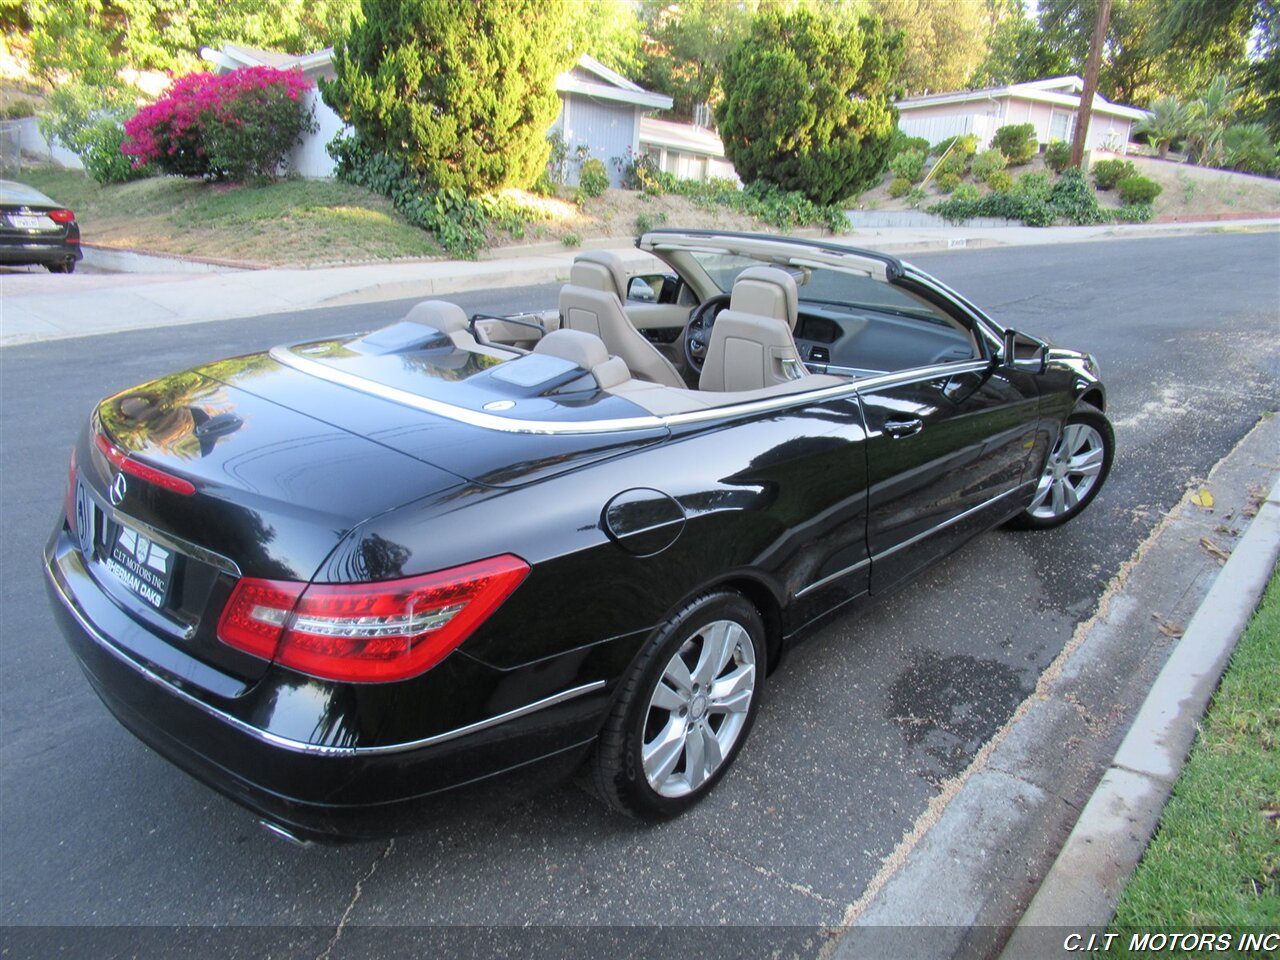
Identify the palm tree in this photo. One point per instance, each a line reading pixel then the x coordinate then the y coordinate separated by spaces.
pixel 1209 115
pixel 1166 122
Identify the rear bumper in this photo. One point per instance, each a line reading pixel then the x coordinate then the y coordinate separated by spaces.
pixel 38 251
pixel 315 791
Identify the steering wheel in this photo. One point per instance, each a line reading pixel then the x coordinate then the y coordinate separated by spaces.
pixel 697 333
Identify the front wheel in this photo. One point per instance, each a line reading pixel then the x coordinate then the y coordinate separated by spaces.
pixel 685 709
pixel 1075 471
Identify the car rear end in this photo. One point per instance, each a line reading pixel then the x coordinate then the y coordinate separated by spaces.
pixel 36 230
pixel 184 576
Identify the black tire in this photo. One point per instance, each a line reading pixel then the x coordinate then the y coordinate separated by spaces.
pixel 1098 447
pixel 66 266
pixel 617 770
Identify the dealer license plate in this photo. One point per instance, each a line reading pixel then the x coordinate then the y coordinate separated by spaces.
pixel 30 223
pixel 139 563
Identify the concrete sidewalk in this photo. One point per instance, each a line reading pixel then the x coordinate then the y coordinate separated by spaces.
pixel 36 306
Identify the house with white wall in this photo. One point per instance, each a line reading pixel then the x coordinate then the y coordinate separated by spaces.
pixel 685 151
pixel 600 108
pixel 1048 105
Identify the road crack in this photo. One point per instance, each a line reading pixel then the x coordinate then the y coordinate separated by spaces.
pixel 768 874
pixel 355 897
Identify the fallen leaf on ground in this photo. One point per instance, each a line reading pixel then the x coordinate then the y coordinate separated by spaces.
pixel 1214 549
pixel 1203 499
pixel 1169 629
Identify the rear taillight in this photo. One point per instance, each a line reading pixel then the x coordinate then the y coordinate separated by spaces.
pixel 367 632
pixel 126 464
pixel 61 216
pixel 70 504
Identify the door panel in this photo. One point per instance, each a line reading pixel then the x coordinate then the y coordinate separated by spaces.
pixel 941 448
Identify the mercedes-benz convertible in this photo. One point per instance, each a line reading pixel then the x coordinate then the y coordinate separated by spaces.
pixel 339 579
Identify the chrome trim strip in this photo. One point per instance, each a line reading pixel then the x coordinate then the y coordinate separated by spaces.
pixel 835 576
pixel 476 418
pixel 489 421
pixel 298 746
pixel 161 537
pixel 951 521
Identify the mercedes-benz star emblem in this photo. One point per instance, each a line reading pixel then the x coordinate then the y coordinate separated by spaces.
pixel 119 487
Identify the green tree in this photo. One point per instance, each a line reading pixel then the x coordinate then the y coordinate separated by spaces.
pixel 944 42
pixel 608 30
pixel 1167 122
pixel 1018 51
pixel 92 40
pixel 685 45
pixel 1208 117
pixel 463 92
pixel 806 103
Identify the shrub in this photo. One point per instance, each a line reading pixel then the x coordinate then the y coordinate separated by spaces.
pixel 1249 148
pixel 1073 199
pixel 1107 173
pixel 947 182
pixel 987 163
pixel 646 222
pixel 544 186
pixel 1134 213
pixel 1135 190
pixel 1017 142
pixel 593 179
pixel 235 126
pixel 956 162
pixel 966 191
pixel 802 77
pixel 463 93
pixel 899 187
pixel 99 148
pixel 1010 206
pixel 966 145
pixel 901 143
pixel 459 222
pixel 1000 180
pixel 571 240
pixel 18 110
pixel 915 195
pixel 909 165
pixel 1057 155
pixel 1035 184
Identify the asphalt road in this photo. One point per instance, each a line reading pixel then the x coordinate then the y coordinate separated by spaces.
pixel 857 731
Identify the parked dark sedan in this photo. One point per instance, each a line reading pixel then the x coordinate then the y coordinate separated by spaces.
pixel 339 578
pixel 35 229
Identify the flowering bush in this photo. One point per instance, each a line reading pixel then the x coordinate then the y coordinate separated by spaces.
pixel 235 126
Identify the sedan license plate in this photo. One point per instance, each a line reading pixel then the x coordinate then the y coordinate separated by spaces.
pixel 30 223
pixel 140 564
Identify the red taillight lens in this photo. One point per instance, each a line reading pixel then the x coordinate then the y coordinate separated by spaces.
pixel 61 216
pixel 123 462
pixel 367 632
pixel 70 504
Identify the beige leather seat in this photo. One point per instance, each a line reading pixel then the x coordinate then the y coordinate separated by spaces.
pixel 588 352
pixel 592 302
pixel 752 344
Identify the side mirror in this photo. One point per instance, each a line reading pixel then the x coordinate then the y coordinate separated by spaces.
pixel 1024 352
pixel 639 288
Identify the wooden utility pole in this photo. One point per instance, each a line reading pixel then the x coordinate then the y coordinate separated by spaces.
pixel 1090 82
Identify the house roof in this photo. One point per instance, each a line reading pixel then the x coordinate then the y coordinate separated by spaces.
pixel 605 84
pixel 1061 91
pixel 609 85
pixel 680 136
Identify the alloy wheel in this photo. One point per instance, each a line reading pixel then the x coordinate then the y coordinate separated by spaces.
pixel 1071 472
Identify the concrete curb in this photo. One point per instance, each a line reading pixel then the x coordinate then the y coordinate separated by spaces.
pixel 1109 839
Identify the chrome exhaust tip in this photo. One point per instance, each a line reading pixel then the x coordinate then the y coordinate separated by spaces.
pixel 283 833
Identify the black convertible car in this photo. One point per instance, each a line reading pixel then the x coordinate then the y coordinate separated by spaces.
pixel 338 578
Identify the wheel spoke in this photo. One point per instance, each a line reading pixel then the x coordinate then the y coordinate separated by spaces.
pixel 1059 498
pixel 736 703
pixel 695 769
pixel 1042 489
pixel 1087 464
pixel 731 684
pixel 717 647
pixel 711 750
pixel 661 755
pixel 677 675
pixel 1069 494
pixel 1075 435
pixel 665 698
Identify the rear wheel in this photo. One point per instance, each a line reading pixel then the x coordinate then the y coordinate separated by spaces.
pixel 1075 471
pixel 66 266
pixel 685 710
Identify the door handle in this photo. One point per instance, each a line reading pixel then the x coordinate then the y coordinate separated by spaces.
pixel 897 429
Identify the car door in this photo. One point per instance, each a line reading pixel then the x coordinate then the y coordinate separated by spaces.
pixel 947 451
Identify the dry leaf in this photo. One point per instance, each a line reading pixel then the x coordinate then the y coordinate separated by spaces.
pixel 1214 549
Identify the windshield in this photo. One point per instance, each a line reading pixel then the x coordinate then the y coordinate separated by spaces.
pixel 822 285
